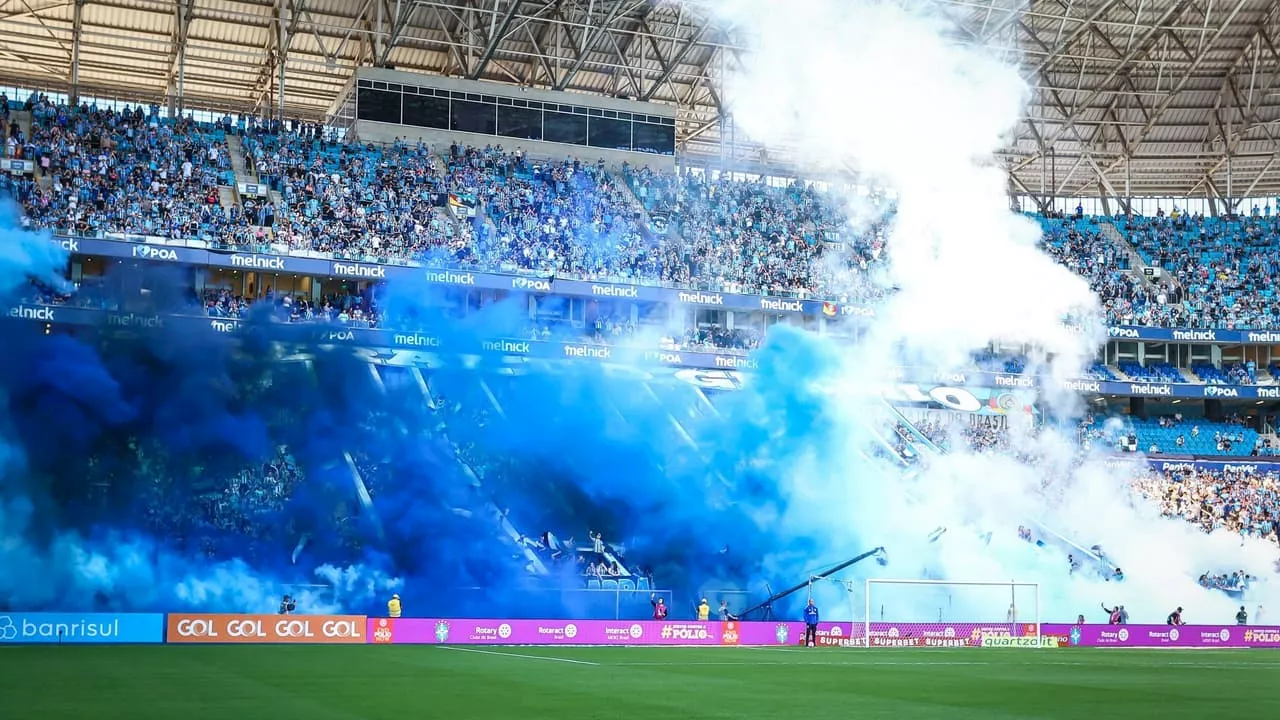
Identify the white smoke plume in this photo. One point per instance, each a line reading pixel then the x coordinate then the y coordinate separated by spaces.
pixel 890 90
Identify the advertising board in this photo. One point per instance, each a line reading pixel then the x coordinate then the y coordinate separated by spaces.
pixel 263 629
pixel 441 631
pixel 80 628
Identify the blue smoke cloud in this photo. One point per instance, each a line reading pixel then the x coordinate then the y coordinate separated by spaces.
pixel 128 466
pixel 119 451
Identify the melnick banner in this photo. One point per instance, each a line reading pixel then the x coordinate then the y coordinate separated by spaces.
pixel 266 629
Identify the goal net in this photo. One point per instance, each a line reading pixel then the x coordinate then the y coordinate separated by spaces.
pixel 938 613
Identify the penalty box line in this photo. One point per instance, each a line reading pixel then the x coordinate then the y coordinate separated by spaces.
pixel 517 655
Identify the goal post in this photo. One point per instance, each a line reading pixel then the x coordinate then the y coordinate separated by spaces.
pixel 950 613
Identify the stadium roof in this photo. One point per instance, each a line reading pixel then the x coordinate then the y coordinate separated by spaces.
pixel 1141 97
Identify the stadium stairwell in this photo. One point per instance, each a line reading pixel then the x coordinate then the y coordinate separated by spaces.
pixel 623 183
pixel 418 382
pixel 1117 238
pixel 235 149
pixel 362 493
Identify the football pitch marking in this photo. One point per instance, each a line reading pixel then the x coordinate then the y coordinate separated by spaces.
pixel 830 661
pixel 517 655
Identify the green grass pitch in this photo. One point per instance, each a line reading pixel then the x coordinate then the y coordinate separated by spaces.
pixel 411 682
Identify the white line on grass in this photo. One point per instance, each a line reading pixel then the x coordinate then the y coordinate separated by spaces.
pixel 517 655
pixel 782 662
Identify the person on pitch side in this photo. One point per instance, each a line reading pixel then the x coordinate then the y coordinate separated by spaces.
pixel 810 624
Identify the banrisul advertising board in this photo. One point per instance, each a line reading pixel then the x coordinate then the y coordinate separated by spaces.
pixel 80 628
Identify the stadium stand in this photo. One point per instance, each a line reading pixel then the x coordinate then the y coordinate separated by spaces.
pixel 1079 245
pixel 1167 435
pixel 1239 500
pixel 1155 372
pixel 1232 374
pixel 1224 267
pixel 131 172
pixel 135 171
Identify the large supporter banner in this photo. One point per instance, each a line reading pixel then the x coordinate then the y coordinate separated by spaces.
pixel 266 629
pixel 81 628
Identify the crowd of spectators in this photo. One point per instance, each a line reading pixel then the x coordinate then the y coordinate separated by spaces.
pixel 1176 435
pixel 1079 245
pixel 748 236
pixel 1229 374
pixel 1241 500
pixel 128 171
pixel 567 218
pixel 1231 582
pixel 357 201
pixel 351 309
pixel 981 437
pixel 1223 266
pixel 232 514
pixel 135 170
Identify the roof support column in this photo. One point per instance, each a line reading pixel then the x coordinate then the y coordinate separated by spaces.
pixel 1128 185
pixel 282 54
pixel 77 19
pixel 182 11
pixel 1230 201
pixel 1044 181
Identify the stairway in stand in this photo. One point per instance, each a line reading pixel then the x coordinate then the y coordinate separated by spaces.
pixel 239 163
